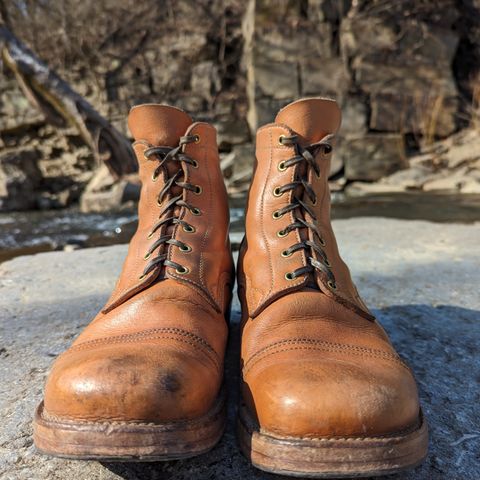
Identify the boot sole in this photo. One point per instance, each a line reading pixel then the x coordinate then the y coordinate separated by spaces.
pixel 129 441
pixel 331 457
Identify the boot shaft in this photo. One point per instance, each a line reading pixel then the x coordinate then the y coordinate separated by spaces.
pixel 183 209
pixel 288 228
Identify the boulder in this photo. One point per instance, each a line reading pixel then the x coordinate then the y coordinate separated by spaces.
pixel 373 156
pixel 104 193
pixel 323 76
pixel 19 179
pixel 278 80
pixel 430 113
pixel 205 81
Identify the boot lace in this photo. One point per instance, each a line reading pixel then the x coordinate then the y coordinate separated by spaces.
pixel 165 155
pixel 301 187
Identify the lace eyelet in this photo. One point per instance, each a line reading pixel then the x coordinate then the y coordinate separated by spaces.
pixel 281 167
pixel 327 263
pixel 142 276
pixel 332 285
pixel 327 149
pixel 315 202
pixel 147 256
pixel 154 177
pixel 198 190
pixel 159 203
pixel 188 228
pixel 280 138
pixel 282 233
pixel 185 248
pixel 197 138
pixel 196 211
pixel 182 270
pixel 286 254
pixel 289 276
pixel 150 235
pixel 194 163
pixel 276 215
pixel 322 242
pixel 277 192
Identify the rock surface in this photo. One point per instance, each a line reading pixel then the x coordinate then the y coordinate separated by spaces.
pixel 420 278
pixel 408 69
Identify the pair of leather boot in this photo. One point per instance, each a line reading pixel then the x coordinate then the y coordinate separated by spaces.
pixel 323 391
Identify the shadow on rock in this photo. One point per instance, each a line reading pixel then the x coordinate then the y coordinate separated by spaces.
pixel 440 344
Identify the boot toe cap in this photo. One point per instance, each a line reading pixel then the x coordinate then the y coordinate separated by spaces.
pixel 323 398
pixel 144 382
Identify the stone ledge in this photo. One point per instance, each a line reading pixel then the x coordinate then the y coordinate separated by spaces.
pixel 421 278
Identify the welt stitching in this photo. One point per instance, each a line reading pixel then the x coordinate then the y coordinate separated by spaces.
pixel 326 346
pixel 262 221
pixel 311 341
pixel 205 236
pixel 250 365
pixel 140 339
pixel 146 333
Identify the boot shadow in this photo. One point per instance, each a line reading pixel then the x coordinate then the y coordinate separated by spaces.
pixel 441 345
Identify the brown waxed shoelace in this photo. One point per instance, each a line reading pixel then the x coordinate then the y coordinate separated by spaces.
pixel 164 155
pixel 307 155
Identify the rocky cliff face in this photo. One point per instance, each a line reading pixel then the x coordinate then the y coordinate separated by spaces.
pixel 405 73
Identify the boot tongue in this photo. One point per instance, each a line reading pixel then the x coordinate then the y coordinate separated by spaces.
pixel 159 125
pixel 311 118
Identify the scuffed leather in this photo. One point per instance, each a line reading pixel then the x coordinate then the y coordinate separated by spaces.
pixel 315 363
pixel 155 352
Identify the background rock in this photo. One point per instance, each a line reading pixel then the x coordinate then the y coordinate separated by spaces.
pixel 409 68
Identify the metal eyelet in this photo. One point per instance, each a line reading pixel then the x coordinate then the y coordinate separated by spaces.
pixel 150 235
pixel 327 263
pixel 188 228
pixel 159 203
pixel 185 248
pixel 154 177
pixel 332 285
pixel 282 233
pixel 327 149
pixel 194 163
pixel 281 167
pixel 315 202
pixel 289 276
pixel 286 254
pixel 277 192
pixel 276 215
pixel 323 243
pixel 182 270
pixel 280 138
pixel 147 256
pixel 197 138
pixel 141 277
pixel 198 190
pixel 196 211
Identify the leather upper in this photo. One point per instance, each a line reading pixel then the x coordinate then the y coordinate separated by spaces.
pixel 315 363
pixel 155 352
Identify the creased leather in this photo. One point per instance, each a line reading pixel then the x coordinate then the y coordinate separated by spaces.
pixel 315 362
pixel 155 352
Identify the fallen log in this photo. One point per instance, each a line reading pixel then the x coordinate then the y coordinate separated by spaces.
pixel 62 106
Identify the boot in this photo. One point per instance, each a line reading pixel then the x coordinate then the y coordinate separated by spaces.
pixel 324 392
pixel 144 379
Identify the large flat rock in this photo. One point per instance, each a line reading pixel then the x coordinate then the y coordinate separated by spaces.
pixel 420 278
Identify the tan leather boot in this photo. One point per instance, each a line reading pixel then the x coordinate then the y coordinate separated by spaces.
pixel 324 392
pixel 144 379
